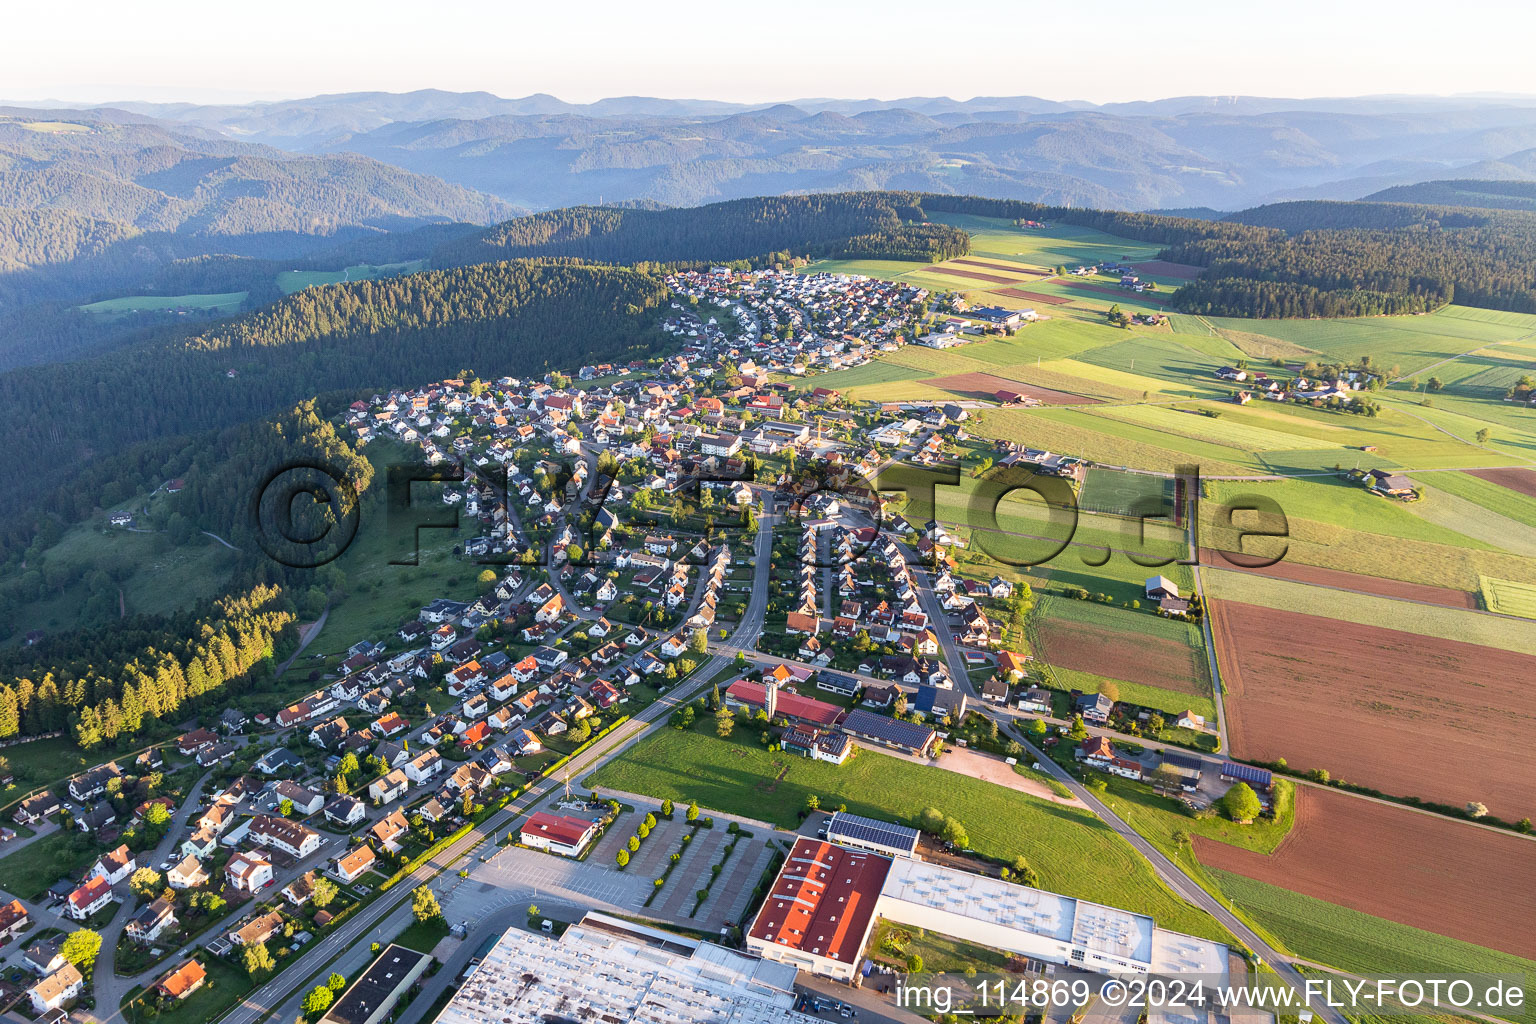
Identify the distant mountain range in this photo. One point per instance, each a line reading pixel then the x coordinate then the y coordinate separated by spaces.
pixel 1226 153
pixel 81 184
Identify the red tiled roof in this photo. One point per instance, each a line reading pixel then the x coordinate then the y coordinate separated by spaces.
pixel 89 893
pixel 791 705
pixel 561 829
pixel 823 900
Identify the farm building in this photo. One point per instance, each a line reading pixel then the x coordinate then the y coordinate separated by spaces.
pixel 1259 778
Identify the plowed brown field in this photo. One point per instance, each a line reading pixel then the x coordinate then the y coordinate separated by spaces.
pixel 1012 268
pixel 987 385
pixel 1133 657
pixel 1044 300
pixel 1521 480
pixel 1401 713
pixel 973 274
pixel 1417 869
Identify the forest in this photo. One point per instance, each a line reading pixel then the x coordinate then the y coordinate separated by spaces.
pixel 867 224
pixel 1362 259
pixel 100 684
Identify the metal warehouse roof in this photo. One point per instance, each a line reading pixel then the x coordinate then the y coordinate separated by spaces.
pixel 858 828
pixel 1246 773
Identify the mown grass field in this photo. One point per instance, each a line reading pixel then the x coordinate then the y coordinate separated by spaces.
pixel 1502 500
pixel 1367 609
pixel 1074 852
pixel 225 301
pixel 291 281
pixel 1508 597
pixel 1363 944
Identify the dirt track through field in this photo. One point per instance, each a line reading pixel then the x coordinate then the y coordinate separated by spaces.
pixel 1045 300
pixel 1416 869
pixel 1162 268
pixel 972 274
pixel 1522 481
pixel 1401 713
pixel 1151 661
pixel 986 385
pixel 1287 569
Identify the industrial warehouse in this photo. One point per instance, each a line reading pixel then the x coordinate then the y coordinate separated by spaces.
pixel 608 969
pixel 827 897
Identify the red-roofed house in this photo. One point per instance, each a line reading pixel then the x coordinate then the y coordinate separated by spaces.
pixel 94 895
pixel 821 909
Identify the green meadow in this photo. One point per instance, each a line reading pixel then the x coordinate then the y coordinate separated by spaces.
pixel 226 302
pixel 291 281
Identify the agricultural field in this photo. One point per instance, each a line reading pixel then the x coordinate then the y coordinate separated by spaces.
pixel 1074 852
pixel 1509 598
pixel 1421 870
pixel 1483 488
pixel 1363 944
pixel 225 302
pixel 291 281
pixel 1316 575
pixel 1401 712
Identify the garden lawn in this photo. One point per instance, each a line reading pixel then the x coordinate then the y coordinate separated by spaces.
pixel 1075 853
pixel 29 872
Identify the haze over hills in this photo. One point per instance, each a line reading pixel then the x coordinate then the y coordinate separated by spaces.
pixel 1224 152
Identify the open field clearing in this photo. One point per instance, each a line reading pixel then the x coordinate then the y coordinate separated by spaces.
pixel 986 385
pixel 1473 486
pixel 1370 610
pixel 1012 268
pixel 1421 870
pixel 1508 597
pixel 1336 502
pixel 1368 554
pixel 291 281
pixel 1182 421
pixel 1521 481
pixel 1410 342
pixel 1163 268
pixel 225 301
pixel 1369 703
pixel 1039 297
pixel 1164 663
pixel 1362 944
pixel 970 274
pixel 1205 452
pixel 1476 521
pixel 1074 852
pixel 1058 245
pixel 1160 356
pixel 1061 430
pixel 1317 575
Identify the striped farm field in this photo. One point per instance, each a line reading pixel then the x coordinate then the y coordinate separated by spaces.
pixel 975 275
pixel 1474 520
pixel 1064 430
pixel 1508 597
pixel 1011 268
pixel 1429 621
pixel 1192 422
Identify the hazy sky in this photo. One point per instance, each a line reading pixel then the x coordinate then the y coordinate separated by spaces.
pixel 96 50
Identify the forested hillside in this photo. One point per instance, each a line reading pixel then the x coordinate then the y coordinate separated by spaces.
pixel 502 318
pixel 1362 259
pixel 1483 195
pixel 862 224
pixel 99 684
